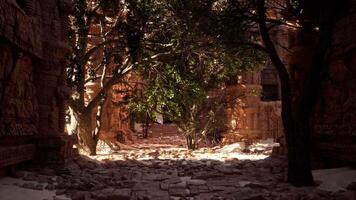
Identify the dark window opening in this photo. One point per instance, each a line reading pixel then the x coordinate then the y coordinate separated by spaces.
pixel 270 93
pixel 166 120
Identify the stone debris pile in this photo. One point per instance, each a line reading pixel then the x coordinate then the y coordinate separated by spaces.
pixel 145 151
pixel 155 179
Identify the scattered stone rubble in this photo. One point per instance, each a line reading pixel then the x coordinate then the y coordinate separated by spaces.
pixel 164 171
pixel 89 179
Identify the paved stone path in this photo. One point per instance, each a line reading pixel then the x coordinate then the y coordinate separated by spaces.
pixel 87 179
pixel 168 172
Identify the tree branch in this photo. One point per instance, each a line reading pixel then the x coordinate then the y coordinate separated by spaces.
pixel 96 48
pixel 112 81
pixel 286 91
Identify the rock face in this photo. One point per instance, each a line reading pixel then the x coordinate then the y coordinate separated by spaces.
pixel 335 115
pixel 333 120
pixel 33 43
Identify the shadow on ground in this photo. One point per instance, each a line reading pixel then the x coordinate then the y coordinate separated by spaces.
pixel 154 179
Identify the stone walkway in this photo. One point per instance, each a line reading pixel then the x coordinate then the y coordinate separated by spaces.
pixel 87 179
pixel 168 172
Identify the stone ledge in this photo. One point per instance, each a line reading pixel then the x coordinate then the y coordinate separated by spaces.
pixel 16 154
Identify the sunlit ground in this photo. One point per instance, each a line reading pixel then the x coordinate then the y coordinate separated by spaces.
pixel 161 148
pixel 162 168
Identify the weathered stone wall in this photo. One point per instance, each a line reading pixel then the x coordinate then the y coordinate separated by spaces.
pixel 32 61
pixel 258 114
pixel 253 117
pixel 335 115
pixel 19 105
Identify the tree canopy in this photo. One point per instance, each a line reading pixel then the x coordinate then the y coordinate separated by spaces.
pixel 185 57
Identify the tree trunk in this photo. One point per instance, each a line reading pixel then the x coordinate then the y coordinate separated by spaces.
pixel 296 124
pixel 146 126
pixel 84 130
pixel 191 141
pixel 330 12
pixel 296 129
pixel 297 137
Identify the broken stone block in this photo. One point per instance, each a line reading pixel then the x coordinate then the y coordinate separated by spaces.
pixel 155 177
pixel 196 182
pixel 254 197
pixel 197 189
pixel 33 186
pixel 81 195
pixel 122 194
pixel 352 186
pixel 181 192
pixel 60 198
pixel 206 196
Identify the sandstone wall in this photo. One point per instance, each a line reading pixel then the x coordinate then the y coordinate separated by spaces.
pixel 32 62
pixel 335 115
pixel 254 116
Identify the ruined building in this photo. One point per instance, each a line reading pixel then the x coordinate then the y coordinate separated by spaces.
pixel 334 116
pixel 257 114
pixel 333 120
pixel 33 45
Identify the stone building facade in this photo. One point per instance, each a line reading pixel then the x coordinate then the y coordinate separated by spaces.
pixel 33 45
pixel 260 116
pixel 257 114
pixel 333 121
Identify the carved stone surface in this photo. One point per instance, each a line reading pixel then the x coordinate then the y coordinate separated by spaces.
pixel 252 117
pixel 334 116
pixel 18 102
pixel 16 154
pixel 33 46
pixel 334 119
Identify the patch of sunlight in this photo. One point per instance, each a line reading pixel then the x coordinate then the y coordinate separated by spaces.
pixel 179 153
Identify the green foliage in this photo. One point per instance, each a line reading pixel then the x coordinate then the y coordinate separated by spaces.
pixel 295 4
pixel 183 49
pixel 185 57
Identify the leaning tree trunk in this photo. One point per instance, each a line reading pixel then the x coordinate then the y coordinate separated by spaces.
pixel 296 124
pixel 296 132
pixel 84 130
pixel 330 12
